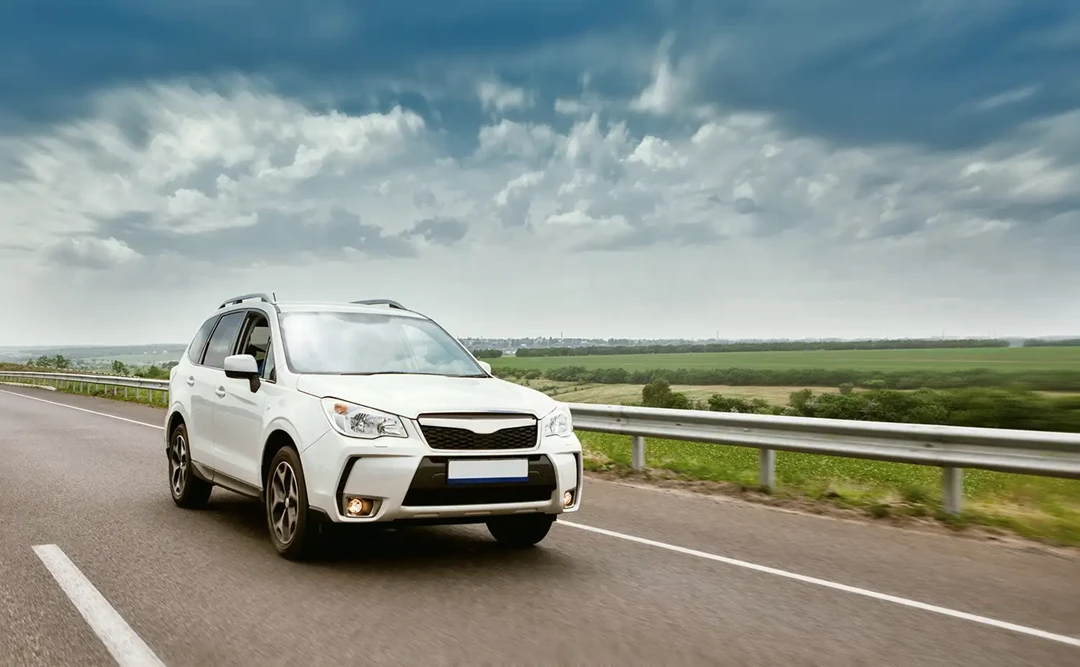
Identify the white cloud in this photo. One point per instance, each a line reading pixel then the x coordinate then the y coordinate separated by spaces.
pixel 570 107
pixel 1005 98
pixel 495 95
pixel 91 253
pixel 230 186
pixel 668 90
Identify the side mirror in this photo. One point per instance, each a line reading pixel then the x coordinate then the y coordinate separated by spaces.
pixel 243 367
pixel 485 365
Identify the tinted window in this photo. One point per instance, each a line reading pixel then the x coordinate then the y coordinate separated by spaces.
pixel 195 350
pixel 362 343
pixel 221 343
pixel 269 369
pixel 256 342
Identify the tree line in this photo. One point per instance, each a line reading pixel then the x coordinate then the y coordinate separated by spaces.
pixel 57 362
pixel 1045 380
pixel 117 368
pixel 776 346
pixel 1011 408
pixel 1068 342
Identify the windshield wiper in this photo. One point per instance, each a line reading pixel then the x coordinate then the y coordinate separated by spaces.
pixel 443 375
pixel 388 373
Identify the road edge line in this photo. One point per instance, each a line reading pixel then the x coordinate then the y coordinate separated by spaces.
pixel 945 611
pixel 75 407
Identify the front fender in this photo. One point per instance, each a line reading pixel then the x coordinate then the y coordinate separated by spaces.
pixel 303 422
pixel 176 409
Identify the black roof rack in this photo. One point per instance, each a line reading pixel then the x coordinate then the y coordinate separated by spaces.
pixel 238 299
pixel 380 302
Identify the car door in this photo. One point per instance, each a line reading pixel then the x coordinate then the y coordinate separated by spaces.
pixel 194 393
pixel 209 381
pixel 240 412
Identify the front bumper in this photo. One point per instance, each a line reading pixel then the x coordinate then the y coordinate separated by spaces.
pixel 407 481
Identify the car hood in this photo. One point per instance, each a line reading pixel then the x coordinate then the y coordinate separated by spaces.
pixel 413 395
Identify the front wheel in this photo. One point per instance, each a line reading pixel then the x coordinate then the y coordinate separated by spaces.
pixel 188 491
pixel 292 530
pixel 520 531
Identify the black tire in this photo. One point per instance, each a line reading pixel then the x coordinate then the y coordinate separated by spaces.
pixel 302 542
pixel 187 490
pixel 520 531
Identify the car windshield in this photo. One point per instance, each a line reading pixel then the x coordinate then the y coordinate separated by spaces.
pixel 369 343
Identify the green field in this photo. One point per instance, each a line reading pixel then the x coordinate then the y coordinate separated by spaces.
pixel 1005 359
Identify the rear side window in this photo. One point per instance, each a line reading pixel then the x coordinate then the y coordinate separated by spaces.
pixel 195 350
pixel 222 340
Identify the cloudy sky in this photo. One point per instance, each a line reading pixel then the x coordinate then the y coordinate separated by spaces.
pixel 636 168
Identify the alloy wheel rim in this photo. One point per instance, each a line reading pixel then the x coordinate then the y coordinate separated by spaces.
pixel 284 502
pixel 178 464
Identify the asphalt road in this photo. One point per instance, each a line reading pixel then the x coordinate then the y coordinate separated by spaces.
pixel 206 588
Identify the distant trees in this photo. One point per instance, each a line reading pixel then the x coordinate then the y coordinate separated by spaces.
pixel 658 394
pixel 778 346
pixel 982 407
pixel 487 354
pixel 56 362
pixel 152 372
pixel 1037 342
pixel 119 368
pixel 1045 380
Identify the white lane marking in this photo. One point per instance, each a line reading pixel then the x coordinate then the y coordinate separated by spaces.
pixel 125 646
pixel 93 412
pixel 1042 634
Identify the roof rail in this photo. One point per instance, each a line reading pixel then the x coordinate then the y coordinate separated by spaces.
pixel 380 302
pixel 238 299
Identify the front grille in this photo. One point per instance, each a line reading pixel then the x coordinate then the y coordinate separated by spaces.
pixel 447 438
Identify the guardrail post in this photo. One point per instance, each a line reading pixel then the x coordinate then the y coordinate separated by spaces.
pixel 767 468
pixel 637 453
pixel 952 483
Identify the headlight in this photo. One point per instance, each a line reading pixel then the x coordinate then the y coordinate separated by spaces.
pixel 357 421
pixel 558 422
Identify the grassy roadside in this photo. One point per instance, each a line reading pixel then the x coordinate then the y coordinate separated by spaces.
pixel 1038 508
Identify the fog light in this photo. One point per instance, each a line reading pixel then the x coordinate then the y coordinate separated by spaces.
pixel 568 499
pixel 358 506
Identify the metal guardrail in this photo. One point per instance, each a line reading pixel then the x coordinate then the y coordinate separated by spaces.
pixel 952 448
pixel 85 382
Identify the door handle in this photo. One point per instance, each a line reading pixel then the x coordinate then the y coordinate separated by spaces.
pixel 191 381
pixel 220 392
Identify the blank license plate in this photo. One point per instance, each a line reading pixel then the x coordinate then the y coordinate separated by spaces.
pixel 487 471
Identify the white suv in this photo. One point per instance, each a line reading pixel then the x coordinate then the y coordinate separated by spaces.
pixel 360 413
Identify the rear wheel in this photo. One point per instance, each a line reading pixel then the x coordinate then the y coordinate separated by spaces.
pixel 293 530
pixel 520 531
pixel 188 491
